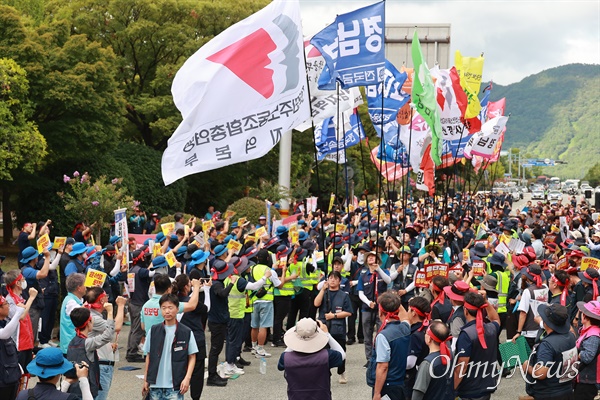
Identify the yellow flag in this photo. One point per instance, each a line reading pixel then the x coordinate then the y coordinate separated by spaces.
pixel 470 70
pixel 331 201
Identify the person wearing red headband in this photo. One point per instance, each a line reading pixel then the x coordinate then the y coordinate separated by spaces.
pixel 418 315
pixel 83 348
pixel 441 308
pixel 434 379
pixel 477 344
pixel 23 337
pixel 534 294
pixel 387 368
pixel 590 278
pixel 559 289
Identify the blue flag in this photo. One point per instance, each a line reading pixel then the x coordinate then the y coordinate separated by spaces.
pixel 396 155
pixel 325 136
pixel 383 107
pixel 353 48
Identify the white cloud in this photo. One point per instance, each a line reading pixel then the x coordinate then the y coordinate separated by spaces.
pixel 519 38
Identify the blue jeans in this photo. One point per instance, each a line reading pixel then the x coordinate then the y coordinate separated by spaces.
pixel 165 394
pixel 106 374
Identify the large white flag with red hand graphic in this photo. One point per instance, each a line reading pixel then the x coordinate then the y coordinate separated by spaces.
pixel 239 93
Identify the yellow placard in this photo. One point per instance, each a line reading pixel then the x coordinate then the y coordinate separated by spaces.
pixel 229 214
pixel 167 228
pixel 92 240
pixel 206 226
pixel 587 262
pixel 331 201
pixel 186 230
pixel 250 238
pixel 260 231
pixel 59 242
pixel 466 256
pixel 43 243
pixel 156 250
pixel 221 236
pixel 319 256
pixel 241 222
pixel 235 245
pixel 351 208
pixel 94 278
pixel 170 257
pixel 293 228
pixel 340 228
pixel 362 203
pixel 294 237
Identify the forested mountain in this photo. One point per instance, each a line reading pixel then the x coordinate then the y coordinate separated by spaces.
pixel 555 114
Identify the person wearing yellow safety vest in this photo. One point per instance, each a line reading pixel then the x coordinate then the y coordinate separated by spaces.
pixel 262 314
pixel 237 306
pixel 283 293
pixel 250 253
pixel 300 300
pixel 499 270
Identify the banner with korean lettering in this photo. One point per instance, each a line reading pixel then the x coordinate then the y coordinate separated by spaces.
pixel 353 48
pixel 470 70
pixel 324 103
pixel 452 102
pixel 239 93
pixel 484 142
pixel 415 136
pixel 385 100
pixel 325 135
pixel 121 230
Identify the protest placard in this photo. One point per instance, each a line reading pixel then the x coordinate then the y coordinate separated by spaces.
pixel 59 242
pixel 43 243
pixel 466 256
pixel 221 237
pixel 479 267
pixel 94 278
pixel 235 245
pixel 587 262
pixel 206 225
pixel 241 221
pixel 319 256
pixel 340 228
pixel 156 250
pixel 167 228
pixel 436 269
pixel 421 279
pixel 229 214
pixel 260 231
pixel 170 257
pixel 502 248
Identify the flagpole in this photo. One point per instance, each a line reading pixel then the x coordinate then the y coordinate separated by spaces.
pixel 321 241
pixel 381 154
pixel 362 157
pixel 405 199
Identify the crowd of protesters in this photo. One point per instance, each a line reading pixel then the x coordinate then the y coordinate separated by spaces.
pixel 316 285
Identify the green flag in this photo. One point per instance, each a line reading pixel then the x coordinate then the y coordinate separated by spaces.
pixel 423 93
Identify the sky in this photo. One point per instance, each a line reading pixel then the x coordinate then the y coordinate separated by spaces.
pixel 519 38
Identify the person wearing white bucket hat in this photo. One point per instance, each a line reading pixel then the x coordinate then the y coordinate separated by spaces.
pixel 307 360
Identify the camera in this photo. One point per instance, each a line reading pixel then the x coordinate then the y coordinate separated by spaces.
pixel 72 373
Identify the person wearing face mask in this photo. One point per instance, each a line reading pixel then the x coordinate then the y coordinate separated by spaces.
pixel 33 271
pixel 10 373
pixel 357 268
pixel 23 336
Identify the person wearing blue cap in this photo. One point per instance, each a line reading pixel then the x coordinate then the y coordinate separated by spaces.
pixel 49 365
pixel 76 265
pixel 33 271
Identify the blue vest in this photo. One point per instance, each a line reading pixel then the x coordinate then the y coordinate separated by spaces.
pixel 441 388
pixel 67 329
pixel 10 373
pixel 398 337
pixel 552 386
pixel 179 359
pixel 301 368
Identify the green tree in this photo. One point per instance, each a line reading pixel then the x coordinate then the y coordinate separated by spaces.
pixel 593 175
pixel 21 144
pixel 95 202
pixel 151 39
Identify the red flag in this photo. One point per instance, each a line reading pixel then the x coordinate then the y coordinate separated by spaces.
pixel 428 169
